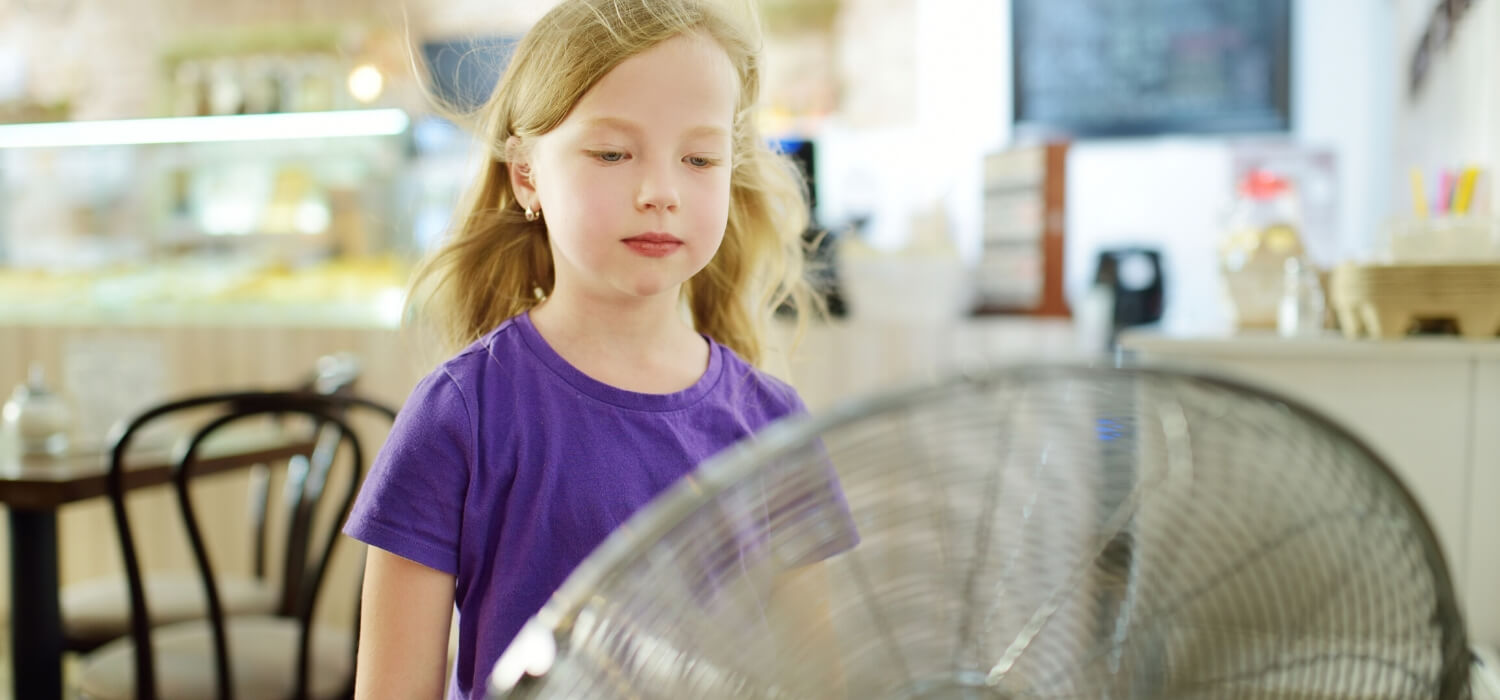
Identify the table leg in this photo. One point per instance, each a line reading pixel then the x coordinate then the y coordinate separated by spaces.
pixel 36 622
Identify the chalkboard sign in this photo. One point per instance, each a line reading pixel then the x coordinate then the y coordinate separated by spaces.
pixel 1116 68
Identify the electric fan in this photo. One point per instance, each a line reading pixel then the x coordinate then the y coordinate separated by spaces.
pixel 1025 532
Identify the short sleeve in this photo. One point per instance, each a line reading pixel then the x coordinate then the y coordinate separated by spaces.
pixel 411 503
pixel 812 521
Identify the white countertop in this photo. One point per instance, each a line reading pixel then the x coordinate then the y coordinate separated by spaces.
pixel 1266 345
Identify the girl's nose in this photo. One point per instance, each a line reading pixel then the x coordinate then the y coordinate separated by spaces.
pixel 657 190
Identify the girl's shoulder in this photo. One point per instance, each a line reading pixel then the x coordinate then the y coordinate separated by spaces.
pixel 505 343
pixel 486 366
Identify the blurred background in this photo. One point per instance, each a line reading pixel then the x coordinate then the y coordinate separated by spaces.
pixel 972 158
pixel 203 195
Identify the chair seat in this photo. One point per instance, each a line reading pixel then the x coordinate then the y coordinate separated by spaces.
pixel 263 661
pixel 98 611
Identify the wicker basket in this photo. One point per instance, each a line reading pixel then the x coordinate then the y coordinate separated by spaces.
pixel 1383 301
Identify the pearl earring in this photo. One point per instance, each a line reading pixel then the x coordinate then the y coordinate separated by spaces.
pixel 532 215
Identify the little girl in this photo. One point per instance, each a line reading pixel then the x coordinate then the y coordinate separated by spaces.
pixel 606 294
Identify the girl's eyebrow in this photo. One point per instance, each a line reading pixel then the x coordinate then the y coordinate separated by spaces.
pixel 632 128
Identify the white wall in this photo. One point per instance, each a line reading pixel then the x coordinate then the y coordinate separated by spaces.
pixel 1168 194
pixel 914 144
pixel 1455 119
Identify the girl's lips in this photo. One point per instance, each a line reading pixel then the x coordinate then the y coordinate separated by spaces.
pixel 655 238
pixel 654 244
pixel 653 248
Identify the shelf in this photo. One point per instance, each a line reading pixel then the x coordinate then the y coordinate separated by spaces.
pixel 247 127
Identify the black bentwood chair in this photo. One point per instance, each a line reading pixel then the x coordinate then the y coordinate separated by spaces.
pixel 281 654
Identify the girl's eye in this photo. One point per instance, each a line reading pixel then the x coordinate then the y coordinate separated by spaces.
pixel 609 156
pixel 700 161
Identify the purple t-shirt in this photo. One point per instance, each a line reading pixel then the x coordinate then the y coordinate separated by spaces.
pixel 507 466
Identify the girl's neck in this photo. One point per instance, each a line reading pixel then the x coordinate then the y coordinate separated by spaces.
pixel 625 327
pixel 646 347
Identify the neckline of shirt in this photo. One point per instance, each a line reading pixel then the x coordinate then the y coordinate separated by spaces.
pixel 614 395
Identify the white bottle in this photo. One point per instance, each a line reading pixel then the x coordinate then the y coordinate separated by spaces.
pixel 1302 305
pixel 1094 321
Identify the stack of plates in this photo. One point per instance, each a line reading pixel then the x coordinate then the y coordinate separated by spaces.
pixel 1383 301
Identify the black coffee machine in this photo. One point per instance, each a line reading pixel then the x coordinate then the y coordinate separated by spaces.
pixel 1133 279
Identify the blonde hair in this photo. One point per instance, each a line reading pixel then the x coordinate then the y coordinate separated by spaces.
pixel 496 264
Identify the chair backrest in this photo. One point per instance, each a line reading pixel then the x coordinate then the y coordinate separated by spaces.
pixel 306 475
pixel 331 435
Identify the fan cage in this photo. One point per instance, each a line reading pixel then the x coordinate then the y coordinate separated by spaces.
pixel 1024 532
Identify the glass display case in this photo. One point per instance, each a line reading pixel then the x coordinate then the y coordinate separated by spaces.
pixel 279 209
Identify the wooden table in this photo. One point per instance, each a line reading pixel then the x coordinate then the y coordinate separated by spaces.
pixel 33 487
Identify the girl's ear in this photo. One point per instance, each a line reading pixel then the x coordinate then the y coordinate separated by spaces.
pixel 518 165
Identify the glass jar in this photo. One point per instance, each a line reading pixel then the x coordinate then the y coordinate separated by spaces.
pixel 1263 231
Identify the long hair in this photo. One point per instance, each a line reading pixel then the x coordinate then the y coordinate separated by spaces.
pixel 495 264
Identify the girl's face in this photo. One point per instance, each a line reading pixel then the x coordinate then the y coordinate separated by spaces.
pixel 634 183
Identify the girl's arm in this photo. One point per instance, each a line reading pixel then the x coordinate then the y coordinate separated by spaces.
pixel 403 629
pixel 802 620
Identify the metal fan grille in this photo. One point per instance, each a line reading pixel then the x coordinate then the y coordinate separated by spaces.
pixel 1029 533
